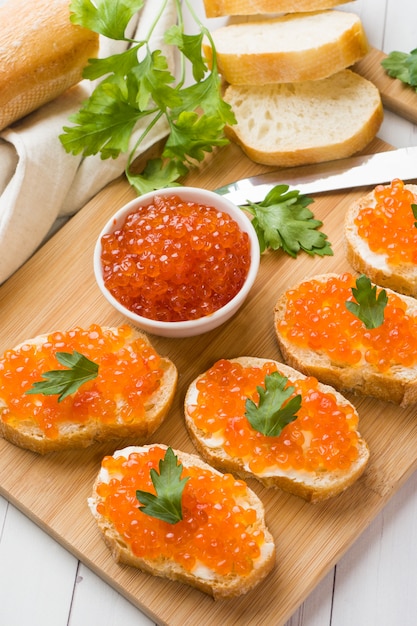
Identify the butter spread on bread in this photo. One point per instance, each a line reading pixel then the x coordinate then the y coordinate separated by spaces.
pixel 129 397
pixel 316 456
pixel 319 336
pixel 221 545
pixel 381 236
pixel 41 55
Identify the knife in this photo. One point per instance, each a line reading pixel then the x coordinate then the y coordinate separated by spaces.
pixel 371 169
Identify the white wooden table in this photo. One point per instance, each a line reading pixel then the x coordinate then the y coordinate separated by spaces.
pixel 374 583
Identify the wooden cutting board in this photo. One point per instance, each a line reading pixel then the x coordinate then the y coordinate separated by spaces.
pixel 56 290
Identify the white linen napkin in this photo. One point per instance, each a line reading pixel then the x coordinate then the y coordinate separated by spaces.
pixel 40 184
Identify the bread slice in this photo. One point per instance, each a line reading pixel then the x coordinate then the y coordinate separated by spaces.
pixel 41 55
pixel 113 406
pixel 220 8
pixel 401 277
pixel 289 48
pixel 307 122
pixel 316 482
pixel 157 557
pixel 389 374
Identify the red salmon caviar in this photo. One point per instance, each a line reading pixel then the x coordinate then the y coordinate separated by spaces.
pixel 323 437
pixel 215 530
pixel 130 373
pixel 173 260
pixel 316 317
pixel 389 227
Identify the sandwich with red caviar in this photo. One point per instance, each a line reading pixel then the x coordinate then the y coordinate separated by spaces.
pixel 262 419
pixel 381 236
pixel 170 514
pixel 351 334
pixel 70 389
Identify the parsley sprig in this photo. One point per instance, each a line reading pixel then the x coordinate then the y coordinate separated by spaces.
pixel 273 412
pixel 414 210
pixel 169 486
pixel 283 220
pixel 369 306
pixel 64 382
pixel 403 66
pixel 138 84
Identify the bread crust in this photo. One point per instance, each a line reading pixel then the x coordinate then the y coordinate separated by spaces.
pixel 398 386
pixel 400 278
pixel 311 486
pixel 220 8
pixel 252 53
pixel 26 434
pixel 41 57
pixel 310 117
pixel 220 587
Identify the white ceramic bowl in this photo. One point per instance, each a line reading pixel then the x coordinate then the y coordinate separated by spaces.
pixel 190 327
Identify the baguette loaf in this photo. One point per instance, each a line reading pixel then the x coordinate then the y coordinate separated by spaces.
pixel 238 562
pixel 385 216
pixel 290 48
pixel 319 336
pixel 41 55
pixel 307 459
pixel 219 8
pixel 307 122
pixel 129 397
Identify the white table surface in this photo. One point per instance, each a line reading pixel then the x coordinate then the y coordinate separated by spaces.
pixel 374 583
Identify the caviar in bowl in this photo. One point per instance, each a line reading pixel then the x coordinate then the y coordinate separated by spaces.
pixel 178 261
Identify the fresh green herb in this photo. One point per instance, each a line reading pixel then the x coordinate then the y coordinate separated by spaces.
pixel 66 381
pixel 273 412
pixel 414 210
pixel 369 307
pixel 402 66
pixel 282 220
pixel 167 504
pixel 137 86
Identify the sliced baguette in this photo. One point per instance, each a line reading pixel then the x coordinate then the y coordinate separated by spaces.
pixel 307 122
pixel 313 486
pixel 220 8
pixel 41 55
pixel 202 575
pixel 397 384
pixel 400 277
pixel 290 48
pixel 146 413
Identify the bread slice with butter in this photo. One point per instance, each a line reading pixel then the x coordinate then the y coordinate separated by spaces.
pixel 127 399
pixel 308 458
pixel 221 546
pixel 220 8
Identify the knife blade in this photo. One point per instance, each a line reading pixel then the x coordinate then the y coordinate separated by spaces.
pixel 359 171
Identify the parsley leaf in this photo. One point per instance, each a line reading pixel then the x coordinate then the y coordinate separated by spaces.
pixel 64 382
pixel 273 413
pixel 167 504
pixel 141 86
pixel 369 307
pixel 414 210
pixel 282 220
pixel 402 66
